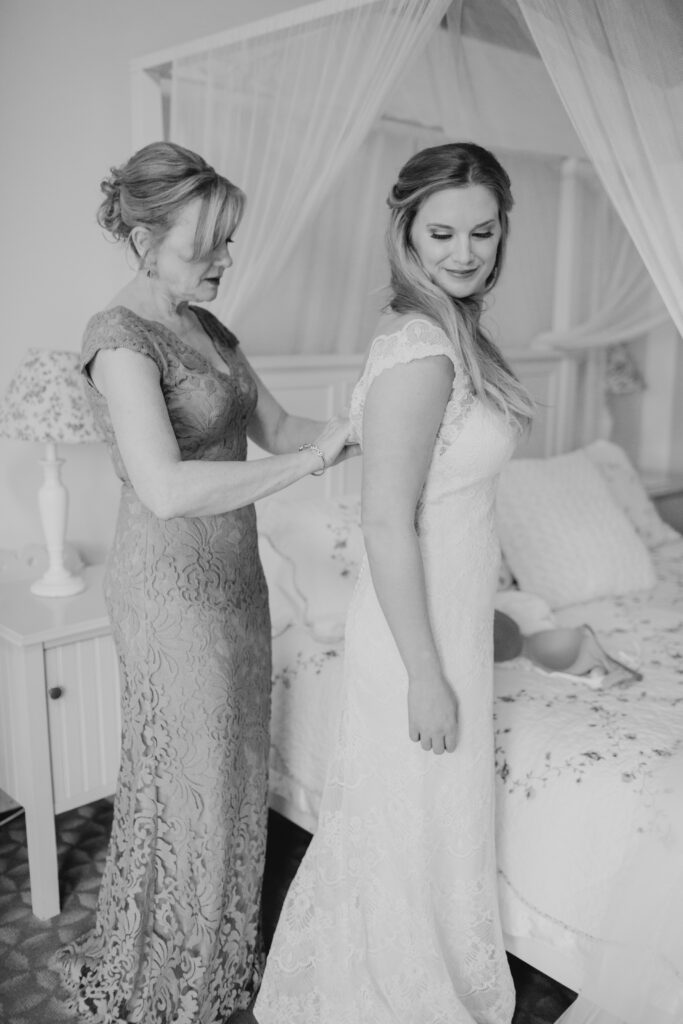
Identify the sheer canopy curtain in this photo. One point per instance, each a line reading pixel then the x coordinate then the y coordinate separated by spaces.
pixel 333 285
pixel 608 297
pixel 618 67
pixel 613 299
pixel 281 107
pixel 329 292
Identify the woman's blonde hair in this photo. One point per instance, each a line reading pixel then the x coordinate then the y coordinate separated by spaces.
pixel 156 183
pixel 454 165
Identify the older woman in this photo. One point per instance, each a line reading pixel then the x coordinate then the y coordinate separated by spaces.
pixel 177 930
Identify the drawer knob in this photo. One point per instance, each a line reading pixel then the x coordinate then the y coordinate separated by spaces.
pixel 55 692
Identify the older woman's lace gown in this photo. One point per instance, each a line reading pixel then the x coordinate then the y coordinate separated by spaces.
pixel 177 934
pixel 392 917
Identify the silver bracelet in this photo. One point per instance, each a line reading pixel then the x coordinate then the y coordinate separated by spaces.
pixel 319 453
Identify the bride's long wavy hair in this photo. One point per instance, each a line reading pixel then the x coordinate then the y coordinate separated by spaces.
pixel 454 165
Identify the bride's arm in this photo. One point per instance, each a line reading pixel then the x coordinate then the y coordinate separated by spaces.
pixel 403 410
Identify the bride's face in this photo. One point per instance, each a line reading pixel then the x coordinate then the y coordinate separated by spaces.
pixel 455 234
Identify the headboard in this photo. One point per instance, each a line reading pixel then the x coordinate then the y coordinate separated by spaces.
pixel 568 387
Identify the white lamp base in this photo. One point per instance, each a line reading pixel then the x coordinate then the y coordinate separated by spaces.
pixel 58 585
pixel 54 502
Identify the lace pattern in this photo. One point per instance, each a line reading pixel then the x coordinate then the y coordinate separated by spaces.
pixel 416 339
pixel 392 917
pixel 177 935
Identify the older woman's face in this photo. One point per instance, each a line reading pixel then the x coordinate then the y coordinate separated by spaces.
pixel 187 279
pixel 455 234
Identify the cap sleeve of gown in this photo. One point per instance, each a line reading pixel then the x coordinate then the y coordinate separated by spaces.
pixel 416 339
pixel 119 328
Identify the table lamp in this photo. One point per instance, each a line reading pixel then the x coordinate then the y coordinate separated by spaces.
pixel 46 402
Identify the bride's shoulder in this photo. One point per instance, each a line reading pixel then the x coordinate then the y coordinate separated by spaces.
pixel 391 324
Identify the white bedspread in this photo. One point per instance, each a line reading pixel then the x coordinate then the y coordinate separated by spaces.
pixel 580 771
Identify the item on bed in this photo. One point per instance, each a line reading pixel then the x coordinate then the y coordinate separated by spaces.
pixel 530 612
pixel 577 655
pixel 507 637
pixel 573 654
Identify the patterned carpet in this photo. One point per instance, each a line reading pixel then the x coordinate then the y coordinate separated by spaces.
pixel 29 991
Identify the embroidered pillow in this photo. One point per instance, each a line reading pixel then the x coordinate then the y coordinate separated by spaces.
pixel 564 536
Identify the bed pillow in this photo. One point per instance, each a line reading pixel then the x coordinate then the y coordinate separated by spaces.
pixel 627 490
pixel 321 542
pixel 564 536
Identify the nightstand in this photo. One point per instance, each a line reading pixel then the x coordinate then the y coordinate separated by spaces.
pixel 59 715
pixel 666 490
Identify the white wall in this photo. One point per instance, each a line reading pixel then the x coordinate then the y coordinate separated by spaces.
pixel 64 120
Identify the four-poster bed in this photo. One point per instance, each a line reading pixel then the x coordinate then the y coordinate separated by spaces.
pixel 311 112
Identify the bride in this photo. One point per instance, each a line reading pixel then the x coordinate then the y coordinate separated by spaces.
pixel 392 917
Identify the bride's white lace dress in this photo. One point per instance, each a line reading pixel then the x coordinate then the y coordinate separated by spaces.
pixel 392 917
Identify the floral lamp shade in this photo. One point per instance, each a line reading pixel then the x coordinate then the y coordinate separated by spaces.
pixel 45 401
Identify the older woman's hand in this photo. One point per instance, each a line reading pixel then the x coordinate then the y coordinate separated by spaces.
pixel 337 441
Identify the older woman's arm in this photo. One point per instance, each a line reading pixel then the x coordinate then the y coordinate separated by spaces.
pixel 164 482
pixel 272 427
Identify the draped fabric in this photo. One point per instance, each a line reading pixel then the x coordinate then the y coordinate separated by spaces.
pixel 614 299
pixel 337 257
pixel 281 110
pixel 314 114
pixel 618 67
pixel 338 260
pixel 505 99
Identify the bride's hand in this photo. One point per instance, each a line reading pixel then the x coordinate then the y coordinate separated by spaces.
pixel 432 714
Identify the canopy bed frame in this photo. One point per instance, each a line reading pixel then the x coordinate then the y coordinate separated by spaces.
pixel 561 84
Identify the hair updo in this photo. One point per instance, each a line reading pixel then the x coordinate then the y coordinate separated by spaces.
pixel 153 187
pixel 454 165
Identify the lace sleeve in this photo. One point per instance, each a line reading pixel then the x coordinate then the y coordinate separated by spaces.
pixel 415 339
pixel 119 328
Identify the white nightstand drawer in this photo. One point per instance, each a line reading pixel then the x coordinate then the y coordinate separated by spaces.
pixel 59 715
pixel 82 685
